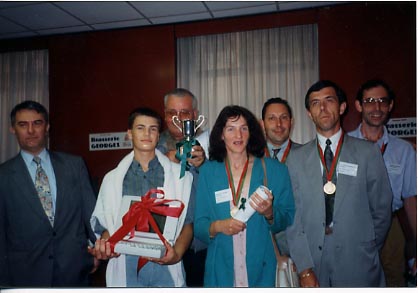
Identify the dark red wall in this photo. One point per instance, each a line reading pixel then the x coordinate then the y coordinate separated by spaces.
pixel 359 42
pixel 97 78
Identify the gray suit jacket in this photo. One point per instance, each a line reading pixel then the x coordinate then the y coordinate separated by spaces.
pixel 362 212
pixel 32 253
pixel 281 236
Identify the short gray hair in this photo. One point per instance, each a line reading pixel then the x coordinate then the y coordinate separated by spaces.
pixel 181 92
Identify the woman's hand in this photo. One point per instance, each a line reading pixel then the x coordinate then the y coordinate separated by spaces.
pixel 228 227
pixel 263 206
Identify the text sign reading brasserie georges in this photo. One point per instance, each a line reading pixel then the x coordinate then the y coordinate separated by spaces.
pixel 402 127
pixel 109 141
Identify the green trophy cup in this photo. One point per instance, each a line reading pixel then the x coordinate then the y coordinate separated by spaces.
pixel 189 128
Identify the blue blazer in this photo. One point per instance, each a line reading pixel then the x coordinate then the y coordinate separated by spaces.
pixel 32 253
pixel 260 259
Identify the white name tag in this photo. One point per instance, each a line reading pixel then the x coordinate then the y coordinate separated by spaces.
pixel 347 169
pixel 394 169
pixel 223 195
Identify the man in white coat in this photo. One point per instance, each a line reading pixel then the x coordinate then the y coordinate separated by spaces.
pixel 143 169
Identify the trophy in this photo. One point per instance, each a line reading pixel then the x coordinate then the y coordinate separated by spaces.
pixel 189 128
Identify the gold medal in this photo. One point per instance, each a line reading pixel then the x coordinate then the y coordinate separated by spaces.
pixel 329 188
pixel 234 211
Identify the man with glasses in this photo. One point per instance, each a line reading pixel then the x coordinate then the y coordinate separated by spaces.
pixel 375 101
pixel 182 103
pixel 342 195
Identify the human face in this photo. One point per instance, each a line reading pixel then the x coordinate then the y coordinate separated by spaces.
pixel 374 113
pixel 144 133
pixel 325 111
pixel 31 131
pixel 277 124
pixel 236 135
pixel 181 107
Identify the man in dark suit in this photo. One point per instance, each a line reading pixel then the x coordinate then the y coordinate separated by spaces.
pixel 343 200
pixel 45 207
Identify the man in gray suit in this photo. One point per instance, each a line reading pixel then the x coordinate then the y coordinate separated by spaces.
pixel 343 200
pixel 277 121
pixel 46 201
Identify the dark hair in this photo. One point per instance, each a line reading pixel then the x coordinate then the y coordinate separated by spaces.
pixel 181 92
pixel 29 105
pixel 275 101
pixel 372 84
pixel 256 142
pixel 319 85
pixel 143 111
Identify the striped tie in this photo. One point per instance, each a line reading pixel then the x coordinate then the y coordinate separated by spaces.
pixel 275 152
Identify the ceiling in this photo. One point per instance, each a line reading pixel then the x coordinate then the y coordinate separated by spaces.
pixel 21 19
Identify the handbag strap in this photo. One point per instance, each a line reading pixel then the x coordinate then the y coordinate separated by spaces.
pixel 276 250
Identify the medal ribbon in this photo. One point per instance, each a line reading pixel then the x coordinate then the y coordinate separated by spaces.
pixel 383 148
pixel 330 173
pixel 236 195
pixel 187 146
pixel 286 152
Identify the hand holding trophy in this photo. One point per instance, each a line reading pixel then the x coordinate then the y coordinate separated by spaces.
pixel 189 128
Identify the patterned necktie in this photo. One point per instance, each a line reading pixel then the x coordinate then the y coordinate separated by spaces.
pixel 275 152
pixel 44 190
pixel 329 199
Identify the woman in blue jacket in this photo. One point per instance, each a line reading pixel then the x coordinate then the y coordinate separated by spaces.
pixel 240 254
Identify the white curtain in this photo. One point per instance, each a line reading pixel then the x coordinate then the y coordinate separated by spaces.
pixel 248 68
pixel 23 76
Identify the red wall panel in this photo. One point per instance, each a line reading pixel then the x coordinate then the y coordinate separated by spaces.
pixel 96 79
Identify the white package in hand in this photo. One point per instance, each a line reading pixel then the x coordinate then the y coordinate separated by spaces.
pixel 244 214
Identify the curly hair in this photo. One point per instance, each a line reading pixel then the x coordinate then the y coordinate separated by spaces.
pixel 256 142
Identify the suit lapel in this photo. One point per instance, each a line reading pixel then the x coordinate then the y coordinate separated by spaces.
pixel 59 171
pixel 314 175
pixel 21 177
pixel 343 182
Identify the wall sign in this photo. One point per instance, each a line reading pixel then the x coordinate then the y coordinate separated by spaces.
pixel 402 127
pixel 109 141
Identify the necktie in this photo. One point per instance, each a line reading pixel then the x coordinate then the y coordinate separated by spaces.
pixel 275 152
pixel 329 199
pixel 328 154
pixel 44 190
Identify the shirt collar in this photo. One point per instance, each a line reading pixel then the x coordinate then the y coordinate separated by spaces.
pixel 136 166
pixel 334 140
pixel 28 158
pixel 270 146
pixel 383 140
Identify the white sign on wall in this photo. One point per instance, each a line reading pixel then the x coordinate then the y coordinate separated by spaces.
pixel 109 141
pixel 402 127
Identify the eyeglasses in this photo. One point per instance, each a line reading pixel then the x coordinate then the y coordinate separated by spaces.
pixel 182 114
pixel 382 101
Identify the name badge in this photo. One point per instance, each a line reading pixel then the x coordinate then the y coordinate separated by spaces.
pixel 394 169
pixel 347 169
pixel 223 195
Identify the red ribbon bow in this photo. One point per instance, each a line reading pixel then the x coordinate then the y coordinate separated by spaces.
pixel 139 218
